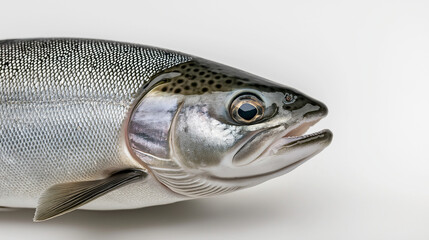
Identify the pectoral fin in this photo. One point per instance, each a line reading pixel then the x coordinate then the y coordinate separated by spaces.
pixel 66 197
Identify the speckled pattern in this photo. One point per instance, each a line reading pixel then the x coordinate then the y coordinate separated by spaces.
pixel 200 76
pixel 62 106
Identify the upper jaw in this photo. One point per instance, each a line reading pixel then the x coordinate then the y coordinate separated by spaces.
pixel 295 133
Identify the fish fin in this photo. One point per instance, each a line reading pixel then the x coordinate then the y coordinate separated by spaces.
pixel 66 197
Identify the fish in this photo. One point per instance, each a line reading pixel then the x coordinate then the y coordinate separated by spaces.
pixel 104 125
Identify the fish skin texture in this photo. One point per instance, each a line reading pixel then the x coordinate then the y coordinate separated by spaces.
pixel 63 103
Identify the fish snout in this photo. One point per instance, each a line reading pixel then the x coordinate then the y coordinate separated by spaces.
pixel 321 112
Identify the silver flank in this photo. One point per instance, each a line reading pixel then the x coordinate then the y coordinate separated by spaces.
pixel 63 103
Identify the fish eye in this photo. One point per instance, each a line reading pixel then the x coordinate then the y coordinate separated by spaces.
pixel 247 109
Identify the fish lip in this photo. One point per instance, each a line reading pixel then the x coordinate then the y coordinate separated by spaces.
pixel 288 139
pixel 319 136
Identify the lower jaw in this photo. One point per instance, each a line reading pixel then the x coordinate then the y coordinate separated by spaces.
pixel 291 141
pixel 249 181
pixel 314 143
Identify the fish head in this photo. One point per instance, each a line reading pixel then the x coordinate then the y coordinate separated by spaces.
pixel 229 129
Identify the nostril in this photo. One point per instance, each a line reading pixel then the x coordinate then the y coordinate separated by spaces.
pixel 289 98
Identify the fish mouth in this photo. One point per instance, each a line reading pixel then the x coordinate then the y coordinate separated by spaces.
pixel 296 145
pixel 298 136
pixel 290 149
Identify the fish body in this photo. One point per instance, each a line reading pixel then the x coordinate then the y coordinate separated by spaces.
pixel 79 111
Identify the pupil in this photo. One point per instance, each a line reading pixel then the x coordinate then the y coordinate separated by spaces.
pixel 247 111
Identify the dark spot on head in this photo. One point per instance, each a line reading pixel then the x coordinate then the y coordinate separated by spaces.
pixel 183 66
pixel 164 89
pixel 201 73
pixel 180 80
pixel 228 81
pixel 239 83
pixel 202 80
pixel 194 84
pixel 196 70
pixel 218 86
pixel 207 75
pixel 178 90
pixel 210 82
pixel 217 77
pixel 187 87
pixel 204 89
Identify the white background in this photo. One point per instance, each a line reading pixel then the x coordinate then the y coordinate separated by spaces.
pixel 367 60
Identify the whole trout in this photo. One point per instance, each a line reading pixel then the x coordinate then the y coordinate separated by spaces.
pixel 104 125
